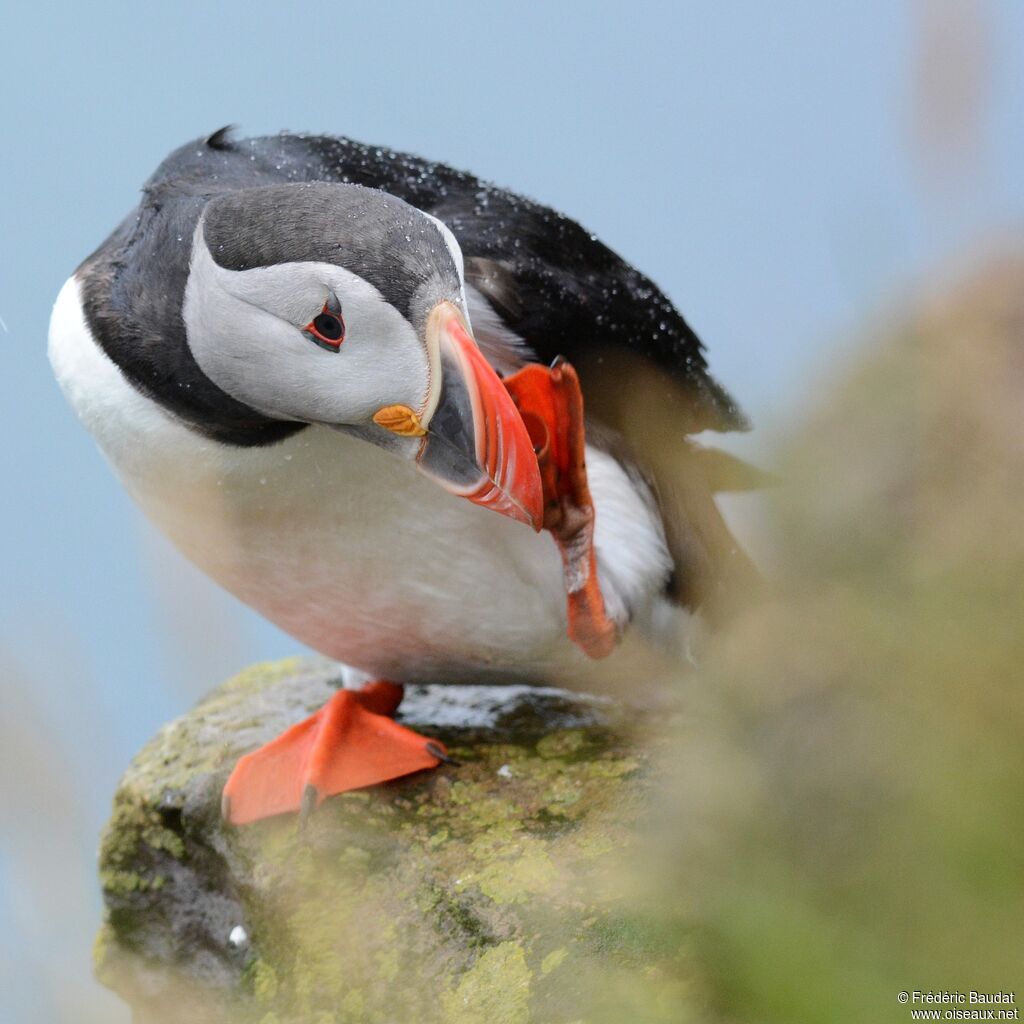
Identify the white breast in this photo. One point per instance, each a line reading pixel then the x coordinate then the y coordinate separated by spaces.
pixel 348 548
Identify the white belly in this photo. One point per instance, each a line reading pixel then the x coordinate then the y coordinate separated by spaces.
pixel 352 552
pixel 341 544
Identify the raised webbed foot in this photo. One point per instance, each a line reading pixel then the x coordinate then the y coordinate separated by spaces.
pixel 550 402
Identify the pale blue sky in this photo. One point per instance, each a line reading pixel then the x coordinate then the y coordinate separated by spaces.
pixel 756 159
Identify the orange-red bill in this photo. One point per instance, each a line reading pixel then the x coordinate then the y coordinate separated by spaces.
pixel 477 445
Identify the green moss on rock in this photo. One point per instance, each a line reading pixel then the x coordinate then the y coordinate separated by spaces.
pixel 495 990
pixel 450 897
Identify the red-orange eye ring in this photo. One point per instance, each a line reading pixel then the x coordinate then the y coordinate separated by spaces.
pixel 327 328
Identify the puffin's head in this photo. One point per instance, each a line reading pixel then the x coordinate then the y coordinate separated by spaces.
pixel 342 305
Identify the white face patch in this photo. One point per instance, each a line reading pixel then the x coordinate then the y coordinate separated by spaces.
pixel 245 330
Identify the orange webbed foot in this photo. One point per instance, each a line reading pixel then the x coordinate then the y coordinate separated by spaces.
pixel 550 401
pixel 351 742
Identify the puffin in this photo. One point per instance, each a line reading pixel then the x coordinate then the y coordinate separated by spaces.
pixel 427 426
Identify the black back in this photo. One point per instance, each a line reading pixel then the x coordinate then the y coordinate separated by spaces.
pixel 550 281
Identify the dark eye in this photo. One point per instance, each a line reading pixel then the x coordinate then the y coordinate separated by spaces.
pixel 327 328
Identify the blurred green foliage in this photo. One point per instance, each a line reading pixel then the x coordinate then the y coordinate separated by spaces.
pixel 845 819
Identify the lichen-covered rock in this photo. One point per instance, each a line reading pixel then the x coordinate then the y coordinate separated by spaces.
pixel 485 892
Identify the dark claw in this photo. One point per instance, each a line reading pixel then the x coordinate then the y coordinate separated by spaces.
pixel 435 751
pixel 308 803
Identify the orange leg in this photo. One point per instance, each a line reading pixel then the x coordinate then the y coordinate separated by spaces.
pixel 351 742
